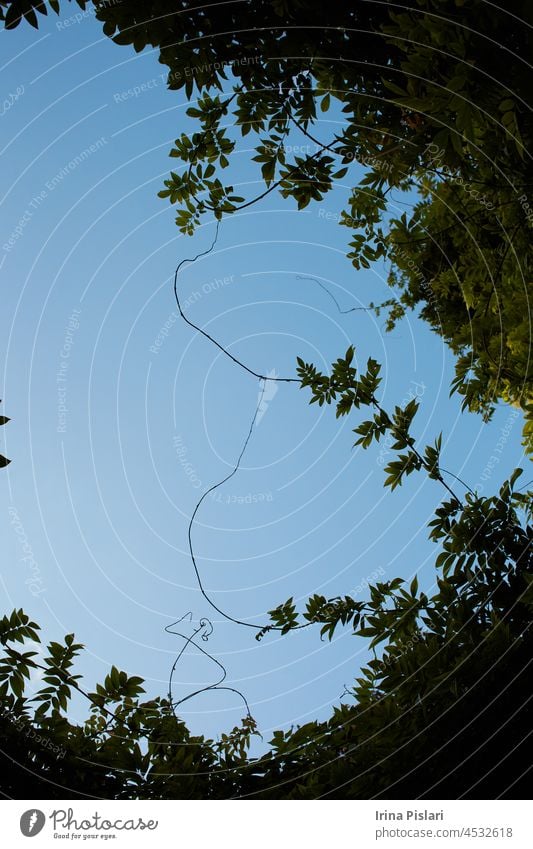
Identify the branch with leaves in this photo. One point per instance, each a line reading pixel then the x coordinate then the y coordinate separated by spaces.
pixel 3 460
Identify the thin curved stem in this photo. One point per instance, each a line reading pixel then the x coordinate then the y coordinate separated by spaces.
pixel 207 335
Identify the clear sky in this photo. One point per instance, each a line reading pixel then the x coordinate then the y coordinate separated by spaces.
pixel 122 416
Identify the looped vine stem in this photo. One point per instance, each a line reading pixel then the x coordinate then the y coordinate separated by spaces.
pixel 190 640
pixel 238 362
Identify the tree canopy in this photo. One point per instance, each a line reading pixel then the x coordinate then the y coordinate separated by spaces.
pixel 443 711
pixel 443 708
pixel 422 110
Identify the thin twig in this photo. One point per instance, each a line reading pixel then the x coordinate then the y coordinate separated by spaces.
pixel 204 333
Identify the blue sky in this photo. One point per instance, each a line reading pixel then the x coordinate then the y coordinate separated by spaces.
pixel 122 416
